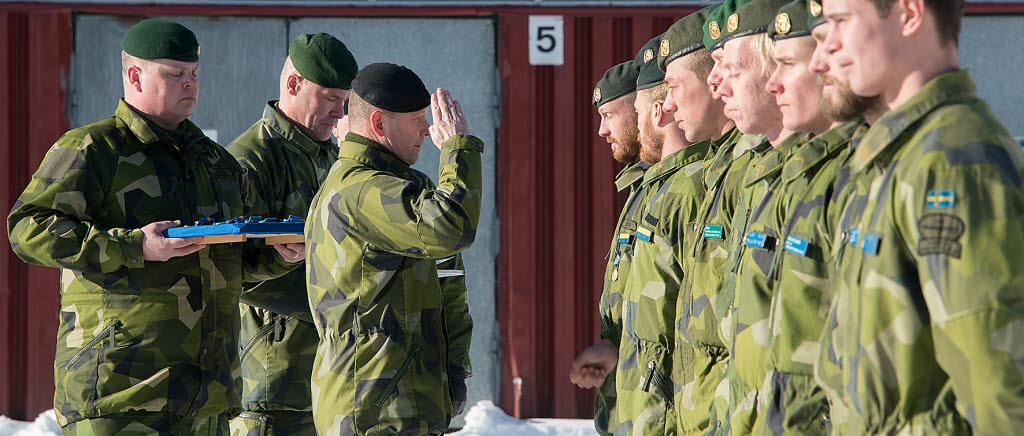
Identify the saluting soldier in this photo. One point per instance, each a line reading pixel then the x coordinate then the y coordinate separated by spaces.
pixel 286 155
pixel 927 324
pixel 814 181
pixel 673 190
pixel 613 97
pixel 376 230
pixel 148 335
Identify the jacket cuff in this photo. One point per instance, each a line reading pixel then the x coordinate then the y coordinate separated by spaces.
pixel 463 142
pixel 131 248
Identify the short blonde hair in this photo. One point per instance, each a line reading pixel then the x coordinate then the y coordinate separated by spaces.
pixel 765 49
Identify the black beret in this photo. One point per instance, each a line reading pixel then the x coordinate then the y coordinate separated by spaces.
pixel 650 75
pixel 616 82
pixel 161 39
pixel 683 37
pixel 323 60
pixel 791 21
pixel 391 87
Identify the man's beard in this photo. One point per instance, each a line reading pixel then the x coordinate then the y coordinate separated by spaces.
pixel 627 146
pixel 652 142
pixel 841 104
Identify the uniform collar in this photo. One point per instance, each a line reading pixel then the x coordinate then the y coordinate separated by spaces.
pixel 817 150
pixel 149 132
pixel 772 162
pixel 631 175
pixel 673 162
pixel 364 150
pixel 883 133
pixel 274 119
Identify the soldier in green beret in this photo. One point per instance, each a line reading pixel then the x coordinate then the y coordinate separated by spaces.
pixel 673 188
pixel 613 96
pixel 927 322
pixel 376 231
pixel 286 156
pixel 148 332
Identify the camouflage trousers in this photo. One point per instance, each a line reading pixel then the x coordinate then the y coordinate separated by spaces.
pixel 273 423
pixel 604 406
pixel 149 424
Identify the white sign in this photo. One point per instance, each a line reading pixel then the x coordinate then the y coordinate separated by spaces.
pixel 547 43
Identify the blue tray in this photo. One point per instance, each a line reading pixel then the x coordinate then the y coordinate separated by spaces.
pixel 250 226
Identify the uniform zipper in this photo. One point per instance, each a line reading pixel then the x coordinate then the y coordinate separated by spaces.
pixel 108 332
pixel 260 334
pixel 659 382
pixel 398 376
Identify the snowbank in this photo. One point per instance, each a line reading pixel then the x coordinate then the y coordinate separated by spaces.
pixel 483 419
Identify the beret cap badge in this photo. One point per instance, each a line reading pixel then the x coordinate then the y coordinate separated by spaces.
pixel 782 24
pixel 663 51
pixel 714 30
pixel 733 23
pixel 648 55
pixel 815 8
pixel 597 95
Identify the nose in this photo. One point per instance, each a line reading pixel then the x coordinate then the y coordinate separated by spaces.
pixel 774 86
pixel 603 131
pixel 669 105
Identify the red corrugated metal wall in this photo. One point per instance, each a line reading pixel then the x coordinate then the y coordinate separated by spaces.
pixel 556 200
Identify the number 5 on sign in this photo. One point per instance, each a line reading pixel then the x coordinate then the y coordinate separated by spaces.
pixel 546 40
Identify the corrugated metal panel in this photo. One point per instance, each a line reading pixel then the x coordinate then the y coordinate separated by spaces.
pixel 558 204
pixel 34 56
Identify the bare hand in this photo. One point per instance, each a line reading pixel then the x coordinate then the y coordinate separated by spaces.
pixel 157 247
pixel 448 118
pixel 292 252
pixel 593 364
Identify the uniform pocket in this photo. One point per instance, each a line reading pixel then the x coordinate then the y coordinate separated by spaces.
pixel 409 360
pixel 250 424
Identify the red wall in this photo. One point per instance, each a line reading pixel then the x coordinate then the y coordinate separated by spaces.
pixel 556 200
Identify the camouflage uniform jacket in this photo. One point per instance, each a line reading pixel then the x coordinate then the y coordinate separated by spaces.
pixel 928 320
pixel 137 336
pixel 674 189
pixel 703 269
pixel 373 234
pixel 757 224
pixel 285 168
pixel 801 282
pixel 620 256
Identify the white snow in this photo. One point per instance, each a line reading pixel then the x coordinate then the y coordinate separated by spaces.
pixel 486 419
pixel 44 425
pixel 483 419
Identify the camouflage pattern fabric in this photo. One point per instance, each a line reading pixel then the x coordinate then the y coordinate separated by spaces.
pixel 148 424
pixel 756 224
pixel 458 322
pixel 801 272
pixel 674 188
pixel 927 323
pixel 137 336
pixel 277 422
pixel 278 339
pixel 616 273
pixel 373 236
pixel 696 323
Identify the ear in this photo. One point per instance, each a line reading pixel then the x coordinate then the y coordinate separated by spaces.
pixel 377 122
pixel 293 84
pixel 135 78
pixel 912 15
pixel 658 113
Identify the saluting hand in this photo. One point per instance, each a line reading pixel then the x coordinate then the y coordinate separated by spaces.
pixel 448 118
pixel 157 247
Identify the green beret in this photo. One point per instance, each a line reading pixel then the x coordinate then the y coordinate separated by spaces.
pixel 161 39
pixel 790 21
pixel 683 37
pixel 616 82
pixel 323 60
pixel 647 58
pixel 814 15
pixel 715 24
pixel 752 17
pixel 391 87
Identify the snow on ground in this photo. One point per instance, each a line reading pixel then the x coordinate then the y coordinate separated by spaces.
pixel 483 419
pixel 44 425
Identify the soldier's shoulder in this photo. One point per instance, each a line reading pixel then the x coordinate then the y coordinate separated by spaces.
pixel 963 135
pixel 107 133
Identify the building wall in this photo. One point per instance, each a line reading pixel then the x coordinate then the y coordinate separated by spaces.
pixel 551 173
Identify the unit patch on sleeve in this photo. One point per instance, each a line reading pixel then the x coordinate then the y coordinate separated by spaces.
pixel 940 199
pixel 940 234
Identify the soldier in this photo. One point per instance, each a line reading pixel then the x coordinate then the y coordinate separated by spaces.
pixel 376 230
pixel 674 189
pixel 148 334
pixel 926 324
pixel 814 181
pixel 286 155
pixel 595 366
